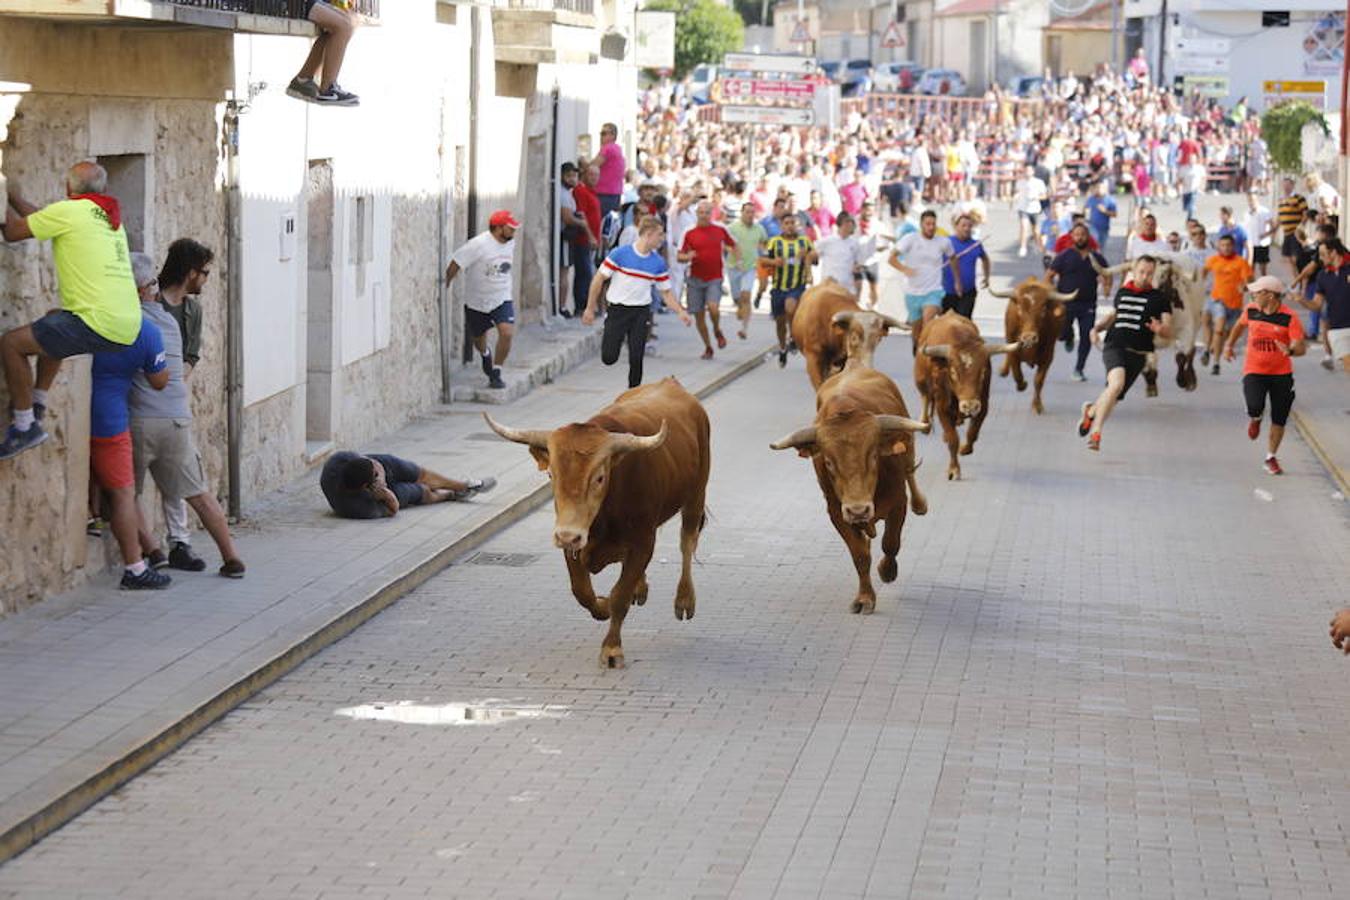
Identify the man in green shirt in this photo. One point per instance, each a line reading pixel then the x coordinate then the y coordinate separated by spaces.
pixel 750 238
pixel 100 309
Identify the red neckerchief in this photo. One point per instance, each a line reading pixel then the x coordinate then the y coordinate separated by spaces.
pixel 108 204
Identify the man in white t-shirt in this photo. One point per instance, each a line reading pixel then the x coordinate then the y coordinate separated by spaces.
pixel 1322 196
pixel 920 256
pixel 841 254
pixel 1260 225
pixel 1031 194
pixel 1146 241
pixel 486 261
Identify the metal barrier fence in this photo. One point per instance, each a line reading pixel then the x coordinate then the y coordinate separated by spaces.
pixel 286 9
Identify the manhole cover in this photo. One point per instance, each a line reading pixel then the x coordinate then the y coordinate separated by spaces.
pixel 511 560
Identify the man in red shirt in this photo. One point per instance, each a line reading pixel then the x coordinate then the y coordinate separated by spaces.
pixel 1067 239
pixel 1268 370
pixel 704 247
pixel 584 245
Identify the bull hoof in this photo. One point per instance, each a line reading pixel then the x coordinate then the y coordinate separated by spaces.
pixel 640 592
pixel 967 449
pixel 887 569
pixel 953 473
pixel 1037 406
pixel 1021 386
pixel 684 607
pixel 864 605
pixel 918 504
pixel 611 657
pixel 1151 391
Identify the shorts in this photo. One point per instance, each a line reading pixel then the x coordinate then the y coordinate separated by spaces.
pixel 110 461
pixel 166 448
pixel 763 269
pixel 964 303
pixel 1121 358
pixel 871 274
pixel 1031 217
pixel 742 281
pixel 1339 338
pixel 1261 254
pixel 400 475
pixel 700 294
pixel 62 334
pixel 1291 245
pixel 480 323
pixel 1280 389
pixel 915 303
pixel 565 254
pixel 1215 308
pixel 778 300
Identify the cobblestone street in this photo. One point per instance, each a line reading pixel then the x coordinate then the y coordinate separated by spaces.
pixel 1097 676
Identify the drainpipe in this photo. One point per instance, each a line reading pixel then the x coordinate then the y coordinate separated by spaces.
pixel 475 84
pixel 234 311
pixel 443 253
pixel 553 212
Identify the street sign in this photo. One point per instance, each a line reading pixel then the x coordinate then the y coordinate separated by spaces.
pixel 1314 92
pixel 894 38
pixel 801 34
pixel 1207 46
pixel 734 89
pixel 1201 64
pixel 1206 85
pixel 768 115
pixel 764 62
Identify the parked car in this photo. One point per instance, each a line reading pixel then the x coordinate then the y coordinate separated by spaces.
pixel 1026 85
pixel 896 77
pixel 942 81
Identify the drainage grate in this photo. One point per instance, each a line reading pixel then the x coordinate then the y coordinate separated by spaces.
pixel 511 560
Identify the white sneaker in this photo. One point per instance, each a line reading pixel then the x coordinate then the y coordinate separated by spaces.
pixel 1021 251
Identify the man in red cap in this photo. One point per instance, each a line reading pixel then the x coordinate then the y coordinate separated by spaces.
pixel 486 261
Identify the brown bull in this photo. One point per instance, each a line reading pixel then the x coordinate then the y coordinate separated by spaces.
pixel 828 323
pixel 952 370
pixel 1033 320
pixel 863 454
pixel 616 478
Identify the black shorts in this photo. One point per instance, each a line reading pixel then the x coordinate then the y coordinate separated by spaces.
pixel 1291 247
pixel 778 300
pixel 869 274
pixel 1280 389
pixel 1260 254
pixel 62 334
pixel 964 304
pixel 400 474
pixel 480 323
pixel 1031 217
pixel 1129 360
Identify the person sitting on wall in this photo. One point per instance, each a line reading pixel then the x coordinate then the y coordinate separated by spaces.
pixel 378 485
pixel 336 21
pixel 100 309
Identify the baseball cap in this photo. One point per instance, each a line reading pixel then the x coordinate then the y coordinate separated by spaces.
pixel 503 217
pixel 1266 283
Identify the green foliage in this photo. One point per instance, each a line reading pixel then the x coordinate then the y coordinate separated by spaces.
pixel 704 31
pixel 1282 130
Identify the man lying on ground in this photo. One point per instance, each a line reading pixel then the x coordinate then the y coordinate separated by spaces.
pixel 378 485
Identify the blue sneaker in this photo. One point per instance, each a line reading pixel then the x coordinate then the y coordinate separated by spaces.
pixel 149 580
pixel 17 441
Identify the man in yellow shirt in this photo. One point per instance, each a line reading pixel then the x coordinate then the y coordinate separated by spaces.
pixel 100 309
pixel 1231 273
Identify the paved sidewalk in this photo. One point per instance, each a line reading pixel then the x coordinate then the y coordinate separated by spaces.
pixel 102 682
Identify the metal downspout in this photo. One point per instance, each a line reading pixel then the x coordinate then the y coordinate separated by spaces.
pixel 234 312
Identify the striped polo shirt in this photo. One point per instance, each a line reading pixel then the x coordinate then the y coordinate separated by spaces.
pixel 796 266
pixel 1291 212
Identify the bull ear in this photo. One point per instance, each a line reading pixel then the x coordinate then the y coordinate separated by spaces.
pixel 803 440
pixel 540 455
pixel 893 448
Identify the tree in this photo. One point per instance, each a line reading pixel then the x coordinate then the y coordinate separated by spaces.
pixel 1282 130
pixel 704 31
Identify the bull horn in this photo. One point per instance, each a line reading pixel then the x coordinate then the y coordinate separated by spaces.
pixel 843 317
pixel 622 443
pixel 902 423
pixel 892 322
pixel 799 438
pixel 938 351
pixel 1002 295
pixel 1004 348
pixel 533 438
pixel 1063 298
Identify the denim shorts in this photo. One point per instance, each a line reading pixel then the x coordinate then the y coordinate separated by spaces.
pixel 742 281
pixel 700 294
pixel 480 323
pixel 61 334
pixel 1215 308
pixel 915 303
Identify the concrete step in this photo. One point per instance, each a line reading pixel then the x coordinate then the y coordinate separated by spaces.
pixel 539 355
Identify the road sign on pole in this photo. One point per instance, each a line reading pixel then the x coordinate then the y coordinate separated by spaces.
pixel 767 62
pixel 894 38
pixel 801 34
pixel 768 115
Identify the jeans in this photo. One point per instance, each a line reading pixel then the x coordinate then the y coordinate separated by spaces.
pixel 1188 204
pixel 609 203
pixel 626 324
pixel 583 272
pixel 1085 315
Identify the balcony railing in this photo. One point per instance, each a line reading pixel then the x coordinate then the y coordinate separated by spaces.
pixel 584 7
pixel 288 9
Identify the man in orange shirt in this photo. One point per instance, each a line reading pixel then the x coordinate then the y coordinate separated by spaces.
pixel 1230 273
pixel 1268 371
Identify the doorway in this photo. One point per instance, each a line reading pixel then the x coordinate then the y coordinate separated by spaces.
pixel 319 342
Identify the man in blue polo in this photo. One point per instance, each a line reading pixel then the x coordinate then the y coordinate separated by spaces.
pixel 958 276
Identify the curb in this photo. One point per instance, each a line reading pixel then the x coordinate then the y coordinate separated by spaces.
pixel 111 776
pixel 1309 435
pixel 518 384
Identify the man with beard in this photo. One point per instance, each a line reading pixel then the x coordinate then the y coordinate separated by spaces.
pixel 1073 270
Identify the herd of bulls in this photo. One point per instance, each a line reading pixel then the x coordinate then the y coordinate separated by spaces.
pixel 636 463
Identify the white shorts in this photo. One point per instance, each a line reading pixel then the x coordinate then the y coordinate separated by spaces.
pixel 742 281
pixel 1340 342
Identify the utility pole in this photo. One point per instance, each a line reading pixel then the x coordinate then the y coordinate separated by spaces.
pixel 1160 80
pixel 998 11
pixel 1115 35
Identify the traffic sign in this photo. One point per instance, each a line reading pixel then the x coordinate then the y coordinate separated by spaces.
pixel 765 62
pixel 801 34
pixel 894 38
pixel 768 115
pixel 1314 92
pixel 742 88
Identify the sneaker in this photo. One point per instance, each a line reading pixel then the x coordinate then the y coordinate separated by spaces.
pixel 1021 251
pixel 486 361
pixel 1078 375
pixel 1204 358
pixel 149 580
pixel 755 302
pixel 1254 429
pixel 232 568
pixel 1214 369
pixel 1272 466
pixel 782 359
pixel 156 559
pixel 477 486
pixel 707 353
pixel 721 341
pixel 17 441
pixel 792 346
pixel 495 380
pixel 336 96
pixel 1095 442
pixel 94 527
pixel 1068 344
pixel 1085 424
pixel 182 557
pixel 303 89
pixel 1327 363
